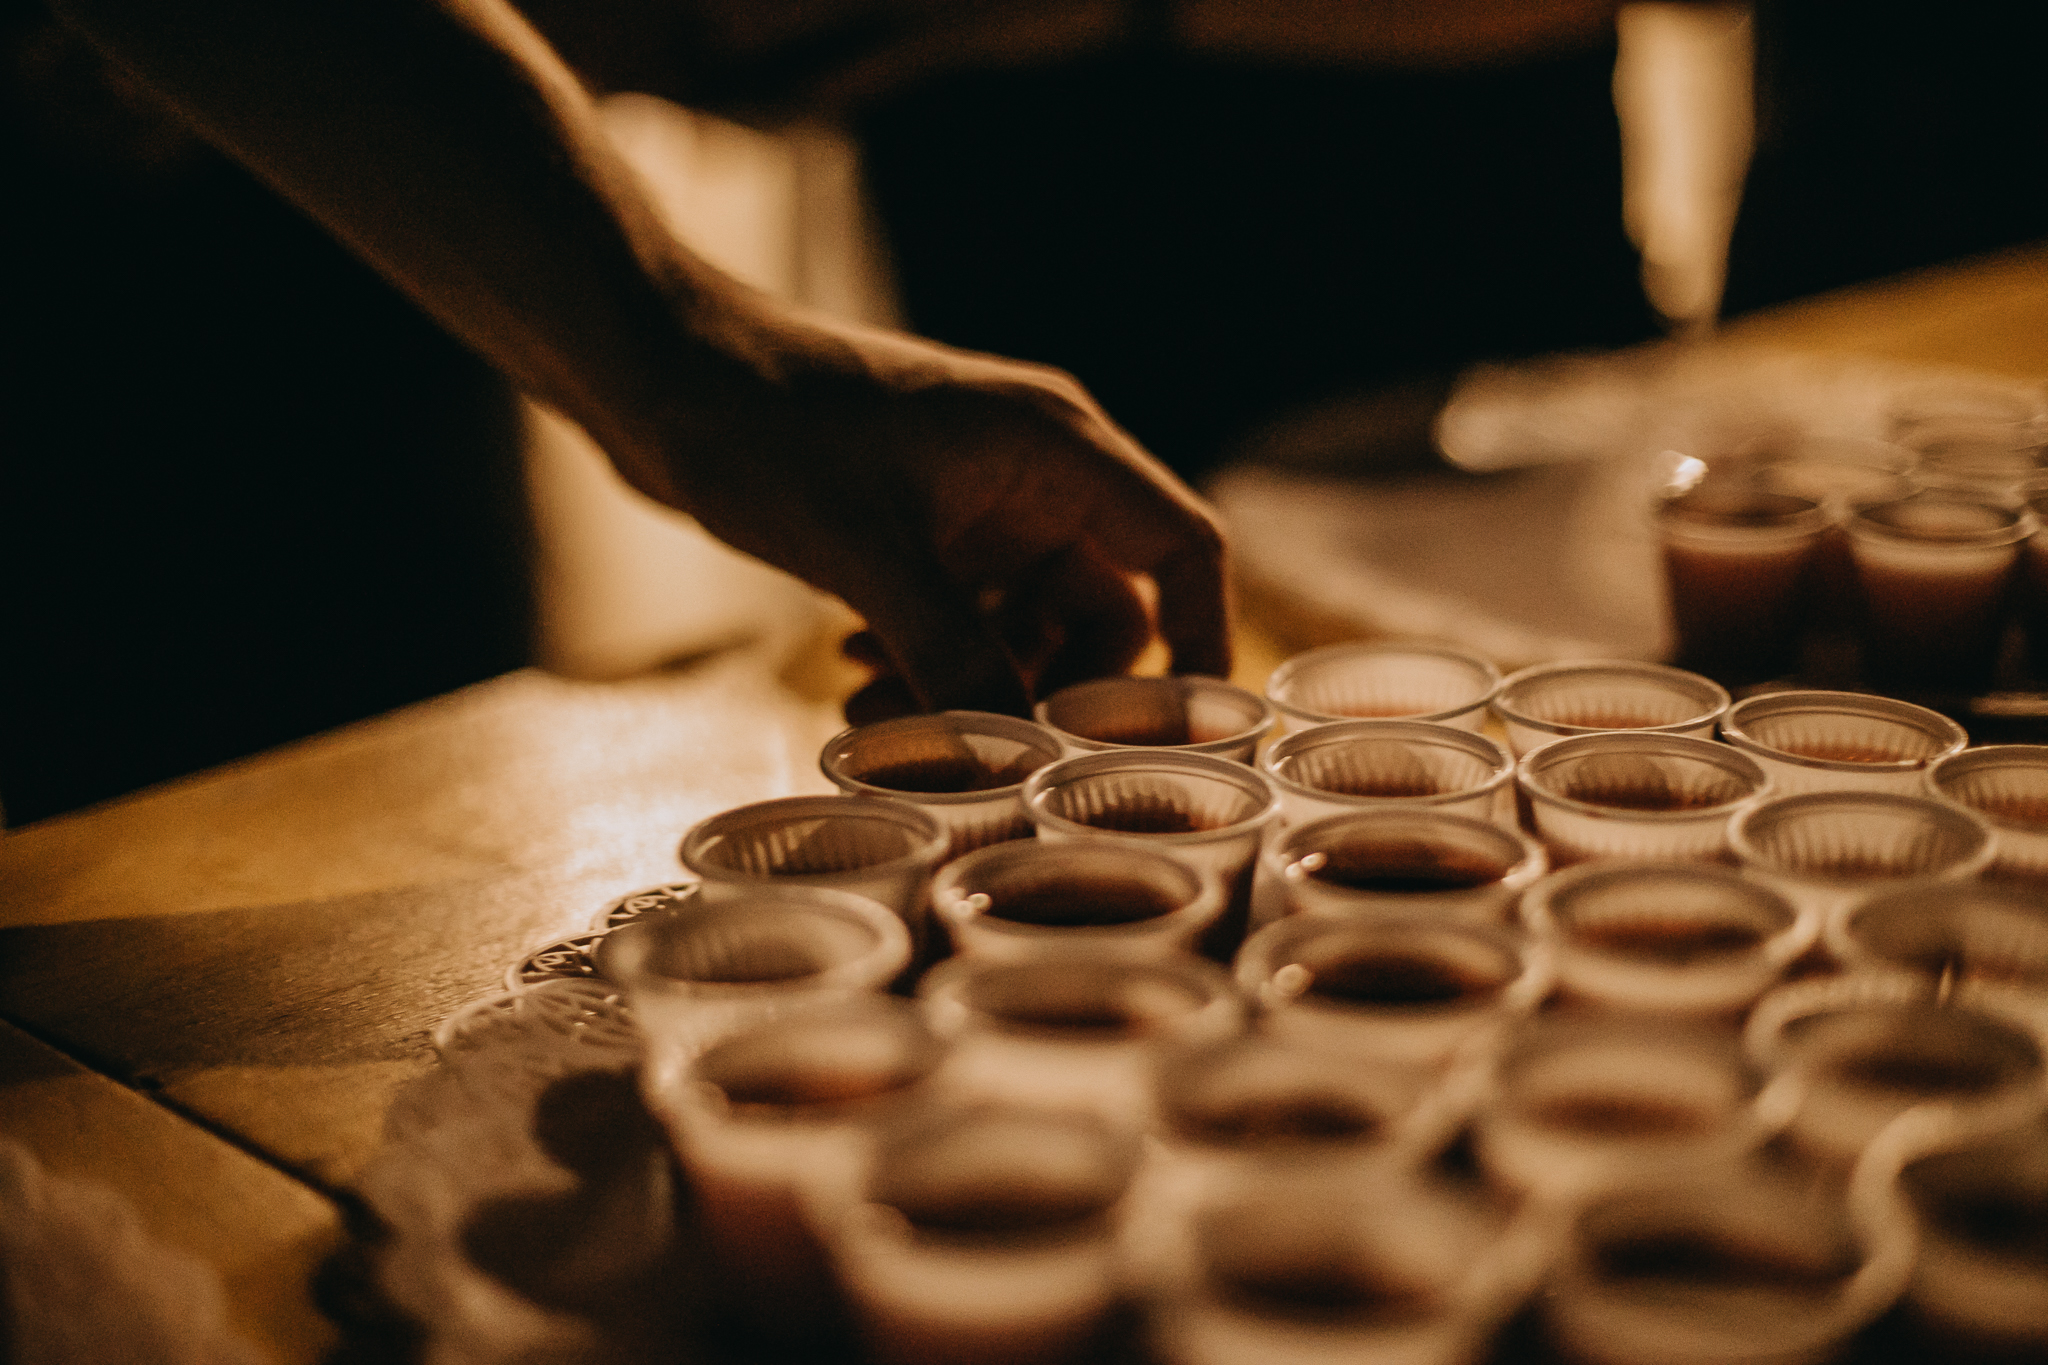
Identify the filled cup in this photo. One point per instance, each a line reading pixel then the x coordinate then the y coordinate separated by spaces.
pixel 986 1237
pixel 1741 565
pixel 1686 938
pixel 1407 862
pixel 965 769
pixel 1828 850
pixel 875 847
pixel 718 966
pixel 1841 741
pixel 1934 573
pixel 1351 765
pixel 1408 992
pixel 1388 680
pixel 1298 1269
pixel 1981 1278
pixel 1864 1050
pixel 1581 697
pixel 2007 784
pixel 1191 713
pixel 1074 1030
pixel 1641 796
pixel 1728 1265
pixel 1978 933
pixel 753 1117
pixel 1208 812
pixel 1018 900
pixel 1580 1105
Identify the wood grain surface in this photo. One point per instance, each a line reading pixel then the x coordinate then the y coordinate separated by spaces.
pixel 270 945
pixel 264 1233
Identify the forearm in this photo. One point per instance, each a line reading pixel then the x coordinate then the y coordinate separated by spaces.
pixel 448 146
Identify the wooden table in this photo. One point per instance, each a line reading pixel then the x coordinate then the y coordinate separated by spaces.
pixel 210 990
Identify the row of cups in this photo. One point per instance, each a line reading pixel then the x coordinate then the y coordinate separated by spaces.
pixel 986 1173
pixel 1779 550
pixel 993 1215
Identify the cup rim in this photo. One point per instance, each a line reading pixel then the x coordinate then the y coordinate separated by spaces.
pixel 1245 778
pixel 1862 520
pixel 831 758
pixel 870 970
pixel 1524 988
pixel 1291 668
pixel 1954 739
pixel 1186 683
pixel 932 840
pixel 1479 745
pixel 1790 807
pixel 1986 756
pixel 1531 864
pixel 1845 943
pixel 953 910
pixel 1681 681
pixel 943 992
pixel 1722 756
pixel 1539 916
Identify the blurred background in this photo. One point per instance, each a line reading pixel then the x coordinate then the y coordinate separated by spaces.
pixel 252 494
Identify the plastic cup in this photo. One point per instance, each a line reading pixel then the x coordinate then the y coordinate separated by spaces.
pixel 718 966
pixel 1579 1105
pixel 1189 714
pixel 752 1116
pixel 1740 564
pixel 871 846
pixel 1666 938
pixel 1736 1265
pixel 1407 992
pixel 1271 1101
pixel 1072 1030
pixel 1934 573
pixel 965 769
pixel 2006 784
pixel 986 1237
pixel 1969 933
pixel 1556 701
pixel 1841 741
pixel 1644 797
pixel 1389 680
pixel 1864 1050
pixel 1208 812
pixel 1404 862
pixel 1828 850
pixel 1352 765
pixel 1294 1270
pixel 1016 900
pixel 1981 1278
pixel 1978 464
pixel 1938 408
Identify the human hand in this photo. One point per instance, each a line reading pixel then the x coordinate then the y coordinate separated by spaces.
pixel 989 521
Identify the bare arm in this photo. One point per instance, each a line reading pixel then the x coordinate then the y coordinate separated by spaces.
pixel 983 515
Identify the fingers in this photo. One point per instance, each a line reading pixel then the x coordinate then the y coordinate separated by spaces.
pixel 1080 617
pixel 943 650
